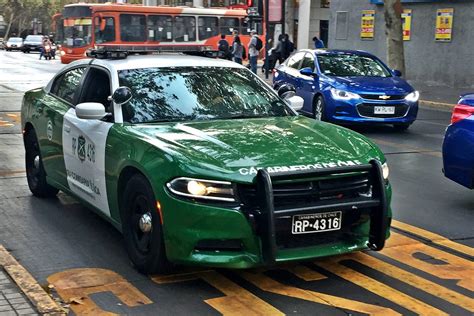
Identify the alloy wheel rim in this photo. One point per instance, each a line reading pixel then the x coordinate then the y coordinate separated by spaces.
pixel 141 224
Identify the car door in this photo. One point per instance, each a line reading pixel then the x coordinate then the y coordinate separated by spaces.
pixel 289 71
pixel 51 109
pixel 307 85
pixel 85 141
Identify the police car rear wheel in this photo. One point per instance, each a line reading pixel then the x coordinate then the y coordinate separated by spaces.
pixel 35 173
pixel 142 228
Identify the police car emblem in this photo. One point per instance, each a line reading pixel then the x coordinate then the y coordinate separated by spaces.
pixel 81 149
pixel 49 130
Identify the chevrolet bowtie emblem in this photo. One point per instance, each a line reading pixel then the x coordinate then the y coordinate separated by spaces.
pixel 384 97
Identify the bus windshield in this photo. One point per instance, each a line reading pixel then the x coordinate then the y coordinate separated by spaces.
pixel 77 32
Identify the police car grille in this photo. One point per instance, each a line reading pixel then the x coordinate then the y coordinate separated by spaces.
pixel 367 110
pixel 304 193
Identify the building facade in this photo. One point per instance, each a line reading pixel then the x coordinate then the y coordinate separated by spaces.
pixel 440 47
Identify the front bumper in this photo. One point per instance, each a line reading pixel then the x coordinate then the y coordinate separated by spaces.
pixel 363 111
pixel 249 236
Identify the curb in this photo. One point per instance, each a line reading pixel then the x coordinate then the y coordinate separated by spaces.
pixel 436 105
pixel 25 281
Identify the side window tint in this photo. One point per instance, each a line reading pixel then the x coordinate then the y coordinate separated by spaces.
pixel 185 29
pixel 308 62
pixel 207 27
pixel 294 61
pixel 67 85
pixel 160 28
pixel 132 28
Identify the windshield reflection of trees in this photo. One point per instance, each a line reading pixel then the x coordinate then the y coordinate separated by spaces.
pixel 197 93
pixel 351 65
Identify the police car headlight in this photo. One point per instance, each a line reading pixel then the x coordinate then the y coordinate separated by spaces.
pixel 202 189
pixel 412 97
pixel 385 171
pixel 343 95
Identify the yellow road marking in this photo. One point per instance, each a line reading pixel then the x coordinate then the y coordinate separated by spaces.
pixel 413 280
pixel 424 151
pixel 333 265
pixel 434 238
pixel 403 249
pixel 77 284
pixel 237 300
pixel 268 284
pixel 306 273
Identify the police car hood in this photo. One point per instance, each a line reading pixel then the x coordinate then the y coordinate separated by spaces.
pixel 243 145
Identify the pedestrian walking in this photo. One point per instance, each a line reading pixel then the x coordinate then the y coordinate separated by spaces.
pixel 224 48
pixel 237 50
pixel 289 46
pixel 318 43
pixel 279 51
pixel 255 45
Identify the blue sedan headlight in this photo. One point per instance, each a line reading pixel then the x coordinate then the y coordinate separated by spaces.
pixel 412 97
pixel 343 95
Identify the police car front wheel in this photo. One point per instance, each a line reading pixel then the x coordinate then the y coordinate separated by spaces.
pixel 141 225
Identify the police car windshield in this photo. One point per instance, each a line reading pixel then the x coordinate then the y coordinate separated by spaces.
pixel 348 65
pixel 197 93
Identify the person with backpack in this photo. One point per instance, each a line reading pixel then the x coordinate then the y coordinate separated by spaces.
pixel 223 48
pixel 237 50
pixel 255 45
pixel 289 46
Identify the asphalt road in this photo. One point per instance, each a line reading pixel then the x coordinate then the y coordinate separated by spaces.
pixel 426 268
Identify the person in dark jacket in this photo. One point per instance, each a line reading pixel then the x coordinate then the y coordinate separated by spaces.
pixel 223 48
pixel 318 43
pixel 289 46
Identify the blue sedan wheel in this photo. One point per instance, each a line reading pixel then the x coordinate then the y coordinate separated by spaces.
pixel 318 109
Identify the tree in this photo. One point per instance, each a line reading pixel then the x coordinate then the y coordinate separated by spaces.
pixel 394 32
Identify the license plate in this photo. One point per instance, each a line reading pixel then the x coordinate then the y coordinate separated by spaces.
pixel 316 223
pixel 384 110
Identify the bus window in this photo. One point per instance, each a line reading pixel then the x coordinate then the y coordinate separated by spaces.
pixel 160 28
pixel 132 28
pixel 77 32
pixel 108 33
pixel 207 27
pixel 184 28
pixel 247 26
pixel 228 25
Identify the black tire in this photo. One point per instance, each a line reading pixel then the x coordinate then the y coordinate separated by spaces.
pixel 401 127
pixel 145 249
pixel 319 102
pixel 35 173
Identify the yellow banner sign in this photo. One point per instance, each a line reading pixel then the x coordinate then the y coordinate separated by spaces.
pixel 367 25
pixel 444 25
pixel 406 24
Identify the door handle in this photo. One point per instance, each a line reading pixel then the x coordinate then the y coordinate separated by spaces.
pixel 67 128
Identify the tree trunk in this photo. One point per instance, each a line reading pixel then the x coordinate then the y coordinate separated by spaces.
pixel 393 30
pixel 10 22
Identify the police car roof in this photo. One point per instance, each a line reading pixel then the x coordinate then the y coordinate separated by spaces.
pixel 164 61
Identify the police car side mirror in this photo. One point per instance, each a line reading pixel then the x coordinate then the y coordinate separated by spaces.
pixel 295 102
pixel 90 111
pixel 122 95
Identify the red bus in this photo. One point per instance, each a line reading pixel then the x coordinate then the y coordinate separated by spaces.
pixel 134 27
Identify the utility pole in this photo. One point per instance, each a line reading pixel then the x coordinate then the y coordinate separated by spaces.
pixel 267 34
pixel 393 30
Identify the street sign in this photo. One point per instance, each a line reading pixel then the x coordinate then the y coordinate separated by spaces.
pixel 252 11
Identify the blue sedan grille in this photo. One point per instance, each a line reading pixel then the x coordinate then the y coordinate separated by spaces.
pixel 368 109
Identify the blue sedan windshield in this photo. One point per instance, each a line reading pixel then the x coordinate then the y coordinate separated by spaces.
pixel 346 65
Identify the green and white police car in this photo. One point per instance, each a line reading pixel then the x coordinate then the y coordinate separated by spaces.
pixel 198 161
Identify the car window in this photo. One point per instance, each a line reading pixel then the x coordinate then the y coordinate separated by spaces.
pixel 96 88
pixel 294 61
pixel 197 93
pixel 308 61
pixel 66 86
pixel 346 65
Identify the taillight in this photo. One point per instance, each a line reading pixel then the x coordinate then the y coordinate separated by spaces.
pixel 460 112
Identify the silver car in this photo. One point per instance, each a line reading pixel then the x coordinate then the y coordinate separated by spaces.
pixel 14 43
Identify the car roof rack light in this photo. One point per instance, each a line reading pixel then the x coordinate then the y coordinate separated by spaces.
pixel 122 52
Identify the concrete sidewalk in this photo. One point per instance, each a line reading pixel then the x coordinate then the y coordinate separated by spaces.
pixel 12 300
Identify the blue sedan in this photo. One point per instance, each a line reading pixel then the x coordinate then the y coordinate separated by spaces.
pixel 343 86
pixel 458 145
